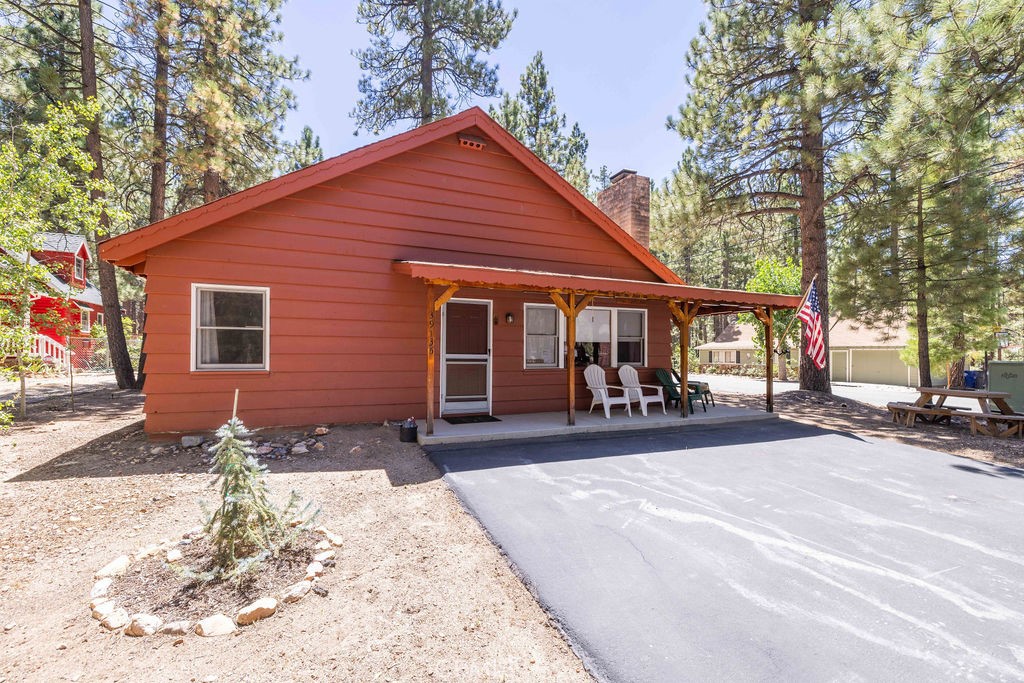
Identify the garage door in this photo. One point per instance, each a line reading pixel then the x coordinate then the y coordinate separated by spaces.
pixel 882 366
pixel 839 366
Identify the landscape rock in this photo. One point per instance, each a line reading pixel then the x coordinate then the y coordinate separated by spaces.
pixel 314 570
pixel 115 620
pixel 192 441
pixel 216 625
pixel 143 625
pixel 175 628
pixel 261 609
pixel 324 556
pixel 321 431
pixel 174 555
pixel 299 449
pixel 143 553
pixel 332 538
pixel 295 592
pixel 100 588
pixel 323 545
pixel 318 446
pixel 194 532
pixel 115 568
pixel 103 609
pixel 264 450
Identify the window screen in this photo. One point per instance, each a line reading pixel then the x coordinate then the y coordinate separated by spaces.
pixel 230 329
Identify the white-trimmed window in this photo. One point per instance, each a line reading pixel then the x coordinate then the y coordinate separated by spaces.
pixel 611 337
pixel 79 268
pixel 543 330
pixel 99 318
pixel 84 323
pixel 230 327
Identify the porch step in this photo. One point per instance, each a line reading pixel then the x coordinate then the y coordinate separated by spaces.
pixel 541 425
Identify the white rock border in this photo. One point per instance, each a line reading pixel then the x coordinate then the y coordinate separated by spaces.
pixel 104 608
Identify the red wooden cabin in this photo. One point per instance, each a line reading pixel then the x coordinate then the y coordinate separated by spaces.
pixel 428 273
pixel 66 305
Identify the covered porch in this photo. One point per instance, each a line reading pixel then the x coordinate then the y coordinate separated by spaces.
pixel 572 294
pixel 540 425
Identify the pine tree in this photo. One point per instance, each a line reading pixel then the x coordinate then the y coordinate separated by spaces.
pixel 305 152
pixel 424 58
pixel 777 90
pixel 246 528
pixel 532 116
pixel 926 235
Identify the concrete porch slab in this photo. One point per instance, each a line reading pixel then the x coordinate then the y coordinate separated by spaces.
pixel 539 425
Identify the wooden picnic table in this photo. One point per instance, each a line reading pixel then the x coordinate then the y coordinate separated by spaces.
pixel 1001 422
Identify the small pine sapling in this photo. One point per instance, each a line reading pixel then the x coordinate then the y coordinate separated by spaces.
pixel 247 528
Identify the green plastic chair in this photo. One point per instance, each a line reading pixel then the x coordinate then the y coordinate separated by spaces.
pixel 701 388
pixel 672 390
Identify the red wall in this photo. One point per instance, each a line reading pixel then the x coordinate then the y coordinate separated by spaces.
pixel 347 334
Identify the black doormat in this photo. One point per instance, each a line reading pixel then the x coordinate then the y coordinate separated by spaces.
pixel 470 419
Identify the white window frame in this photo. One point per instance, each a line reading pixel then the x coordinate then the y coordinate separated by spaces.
pixel 194 326
pixel 84 323
pixel 99 318
pixel 560 344
pixel 614 336
pixel 79 267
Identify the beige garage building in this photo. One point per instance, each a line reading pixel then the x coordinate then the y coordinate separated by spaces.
pixel 858 353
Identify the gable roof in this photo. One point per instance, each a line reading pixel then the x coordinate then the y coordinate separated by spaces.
pixel 54 285
pixel 63 243
pixel 129 249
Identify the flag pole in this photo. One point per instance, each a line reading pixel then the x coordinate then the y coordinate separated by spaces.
pixel 782 337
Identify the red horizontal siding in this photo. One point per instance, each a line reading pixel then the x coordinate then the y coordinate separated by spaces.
pixel 346 332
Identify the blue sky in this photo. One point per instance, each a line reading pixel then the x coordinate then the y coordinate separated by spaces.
pixel 617 67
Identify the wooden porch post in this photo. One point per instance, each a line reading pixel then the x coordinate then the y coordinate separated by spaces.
pixel 765 316
pixel 430 359
pixel 683 318
pixel 571 311
pixel 434 305
pixel 570 357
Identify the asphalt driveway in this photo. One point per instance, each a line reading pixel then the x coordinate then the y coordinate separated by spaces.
pixel 767 552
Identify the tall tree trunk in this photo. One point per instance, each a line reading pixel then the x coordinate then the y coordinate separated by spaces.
pixel 813 237
pixel 158 166
pixel 116 342
pixel 924 363
pixel 814 248
pixel 211 176
pixel 427 65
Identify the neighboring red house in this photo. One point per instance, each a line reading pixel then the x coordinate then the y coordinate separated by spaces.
pixel 428 273
pixel 65 295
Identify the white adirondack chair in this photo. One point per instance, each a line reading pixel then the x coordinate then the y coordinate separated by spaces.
pixel 635 391
pixel 602 392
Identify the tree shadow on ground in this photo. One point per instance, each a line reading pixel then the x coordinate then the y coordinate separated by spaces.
pixel 127 452
pixel 606 445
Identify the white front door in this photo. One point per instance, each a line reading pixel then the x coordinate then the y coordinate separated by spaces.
pixel 466 357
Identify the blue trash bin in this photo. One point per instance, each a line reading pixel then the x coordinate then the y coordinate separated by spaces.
pixel 971 378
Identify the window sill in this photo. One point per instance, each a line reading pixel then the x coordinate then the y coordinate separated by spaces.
pixel 228 373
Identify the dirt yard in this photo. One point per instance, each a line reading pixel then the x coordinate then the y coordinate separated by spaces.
pixel 418 592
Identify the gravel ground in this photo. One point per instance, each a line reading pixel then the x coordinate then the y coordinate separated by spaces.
pixel 418 593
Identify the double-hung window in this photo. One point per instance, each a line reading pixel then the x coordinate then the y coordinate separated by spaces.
pixel 84 323
pixel 230 327
pixel 79 268
pixel 611 337
pixel 543 342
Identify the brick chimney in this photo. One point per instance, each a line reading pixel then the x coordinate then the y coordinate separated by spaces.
pixel 627 201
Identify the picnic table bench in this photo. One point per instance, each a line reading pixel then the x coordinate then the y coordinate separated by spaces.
pixel 930 407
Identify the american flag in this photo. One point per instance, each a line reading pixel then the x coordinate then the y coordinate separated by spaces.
pixel 810 314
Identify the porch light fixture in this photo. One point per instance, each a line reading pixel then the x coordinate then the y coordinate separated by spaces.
pixel 510 318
